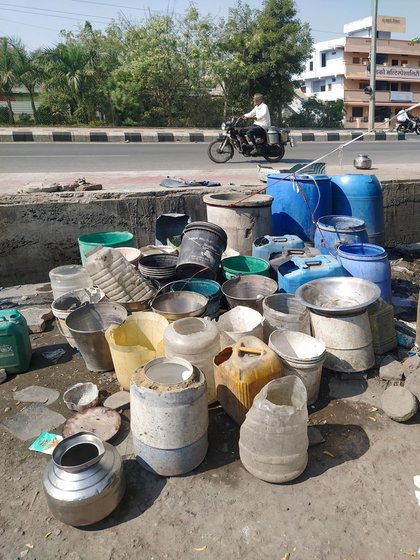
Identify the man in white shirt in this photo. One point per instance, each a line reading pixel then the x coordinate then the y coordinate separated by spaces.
pixel 404 116
pixel 262 120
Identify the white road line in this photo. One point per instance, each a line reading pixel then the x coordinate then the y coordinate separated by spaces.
pixel 69 156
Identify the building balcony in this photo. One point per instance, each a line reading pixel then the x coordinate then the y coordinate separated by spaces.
pixel 403 98
pixel 383 72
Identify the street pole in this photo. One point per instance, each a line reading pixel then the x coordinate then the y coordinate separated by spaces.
pixel 371 123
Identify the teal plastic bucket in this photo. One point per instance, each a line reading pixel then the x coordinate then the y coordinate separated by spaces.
pixel 208 288
pixel 89 241
pixel 243 265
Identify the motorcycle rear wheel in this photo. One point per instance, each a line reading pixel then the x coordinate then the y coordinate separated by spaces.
pixel 216 154
pixel 402 128
pixel 274 153
pixel 417 129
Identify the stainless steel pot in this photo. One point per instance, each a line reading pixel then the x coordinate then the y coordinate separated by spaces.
pixel 84 481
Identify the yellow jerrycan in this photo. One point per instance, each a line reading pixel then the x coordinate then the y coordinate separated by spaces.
pixel 241 371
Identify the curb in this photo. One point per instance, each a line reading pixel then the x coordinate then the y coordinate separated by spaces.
pixel 167 136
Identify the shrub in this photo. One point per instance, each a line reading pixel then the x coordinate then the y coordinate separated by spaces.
pixel 24 118
pixel 4 115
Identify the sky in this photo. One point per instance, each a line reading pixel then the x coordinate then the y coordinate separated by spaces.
pixel 40 26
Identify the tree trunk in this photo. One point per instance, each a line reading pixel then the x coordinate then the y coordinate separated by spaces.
pixel 31 95
pixel 11 114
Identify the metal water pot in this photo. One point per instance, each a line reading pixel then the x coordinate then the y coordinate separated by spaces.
pixel 362 161
pixel 84 481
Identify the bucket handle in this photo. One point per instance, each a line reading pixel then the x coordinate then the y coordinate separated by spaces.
pixel 308 264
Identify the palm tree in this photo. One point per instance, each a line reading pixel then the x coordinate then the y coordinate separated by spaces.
pixel 27 70
pixel 70 68
pixel 7 74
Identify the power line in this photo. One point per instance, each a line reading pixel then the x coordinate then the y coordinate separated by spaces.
pixel 50 15
pixel 28 24
pixel 120 6
pixel 49 10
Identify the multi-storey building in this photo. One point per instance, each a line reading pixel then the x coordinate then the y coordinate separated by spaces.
pixel 340 69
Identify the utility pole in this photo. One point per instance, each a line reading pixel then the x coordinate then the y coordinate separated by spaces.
pixel 371 123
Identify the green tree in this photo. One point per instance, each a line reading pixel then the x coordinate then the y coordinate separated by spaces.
pixel 68 71
pixel 265 49
pixel 8 74
pixel 27 70
pixel 165 61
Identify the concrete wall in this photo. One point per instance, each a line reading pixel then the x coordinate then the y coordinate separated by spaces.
pixel 39 232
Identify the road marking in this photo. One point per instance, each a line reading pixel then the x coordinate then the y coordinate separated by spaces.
pixel 68 156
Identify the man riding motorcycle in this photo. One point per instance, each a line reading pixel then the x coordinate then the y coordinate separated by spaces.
pixel 261 124
pixel 404 116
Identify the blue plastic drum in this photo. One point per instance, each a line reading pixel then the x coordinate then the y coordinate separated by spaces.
pixel 295 200
pixel 333 231
pixel 367 261
pixel 359 195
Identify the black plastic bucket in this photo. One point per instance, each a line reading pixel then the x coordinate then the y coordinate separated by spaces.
pixel 201 250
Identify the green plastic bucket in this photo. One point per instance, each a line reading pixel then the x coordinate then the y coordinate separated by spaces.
pixel 89 241
pixel 243 265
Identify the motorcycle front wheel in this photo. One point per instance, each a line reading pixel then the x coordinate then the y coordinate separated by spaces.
pixel 417 129
pixel 402 128
pixel 274 153
pixel 220 151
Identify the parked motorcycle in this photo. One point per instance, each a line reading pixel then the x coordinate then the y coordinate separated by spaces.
pixel 271 148
pixel 406 126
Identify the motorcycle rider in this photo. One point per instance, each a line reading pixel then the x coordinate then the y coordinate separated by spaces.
pixel 405 116
pixel 262 121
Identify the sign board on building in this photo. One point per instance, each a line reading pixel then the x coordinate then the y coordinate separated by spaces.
pixel 391 23
pixel 383 72
pixel 404 96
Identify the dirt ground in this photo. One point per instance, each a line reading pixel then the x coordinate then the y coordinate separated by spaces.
pixel 356 499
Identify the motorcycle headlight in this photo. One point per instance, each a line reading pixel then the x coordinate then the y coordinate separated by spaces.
pixel 223 126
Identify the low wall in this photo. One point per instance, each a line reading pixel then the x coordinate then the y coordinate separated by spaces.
pixel 39 232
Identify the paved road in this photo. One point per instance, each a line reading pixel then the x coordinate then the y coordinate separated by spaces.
pixel 87 158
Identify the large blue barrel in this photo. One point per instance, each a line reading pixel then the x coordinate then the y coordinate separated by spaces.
pixel 290 212
pixel 364 260
pixel 333 231
pixel 359 195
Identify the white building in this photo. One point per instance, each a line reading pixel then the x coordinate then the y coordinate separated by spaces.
pixel 339 69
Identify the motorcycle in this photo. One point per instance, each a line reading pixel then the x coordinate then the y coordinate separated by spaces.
pixel 406 126
pixel 271 147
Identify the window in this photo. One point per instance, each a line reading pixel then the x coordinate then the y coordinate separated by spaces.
pixel 405 87
pixel 322 88
pixel 333 53
pixel 394 62
pixel 382 86
pixel 323 59
pixel 404 62
pixel 381 58
pixel 333 79
pixel 311 65
pixel 365 61
pixel 362 85
pixel 357 112
pixel 329 87
pixel 394 86
pixel 356 60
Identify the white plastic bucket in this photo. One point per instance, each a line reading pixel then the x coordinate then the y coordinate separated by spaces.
pixel 302 355
pixel 348 340
pixel 237 323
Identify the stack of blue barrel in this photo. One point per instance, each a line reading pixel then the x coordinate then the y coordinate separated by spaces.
pixel 342 215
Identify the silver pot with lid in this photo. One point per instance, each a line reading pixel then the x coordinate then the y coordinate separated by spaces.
pixel 362 161
pixel 84 481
